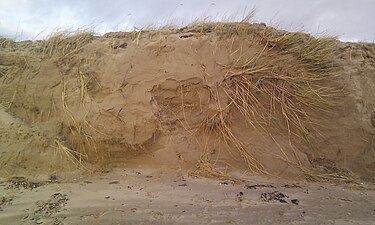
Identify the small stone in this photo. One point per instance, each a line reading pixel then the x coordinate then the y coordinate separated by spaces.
pixel 295 201
pixel 240 196
pixel 133 210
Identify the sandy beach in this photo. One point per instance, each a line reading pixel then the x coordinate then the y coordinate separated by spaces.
pixel 148 196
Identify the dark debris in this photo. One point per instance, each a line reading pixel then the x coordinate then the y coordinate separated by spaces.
pixel 22 182
pixel 274 196
pixel 5 201
pixel 51 206
pixel 255 186
pixel 295 201
pixel 292 186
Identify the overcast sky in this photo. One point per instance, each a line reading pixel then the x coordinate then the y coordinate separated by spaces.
pixel 351 20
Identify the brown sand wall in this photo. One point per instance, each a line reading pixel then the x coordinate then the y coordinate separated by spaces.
pixel 167 96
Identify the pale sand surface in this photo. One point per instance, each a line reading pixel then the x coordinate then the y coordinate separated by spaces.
pixel 149 196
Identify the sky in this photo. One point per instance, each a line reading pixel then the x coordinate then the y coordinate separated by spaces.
pixel 349 20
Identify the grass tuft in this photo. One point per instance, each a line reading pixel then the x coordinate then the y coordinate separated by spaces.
pixel 6 42
pixel 283 84
pixel 66 42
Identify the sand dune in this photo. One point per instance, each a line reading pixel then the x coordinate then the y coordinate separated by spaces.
pixel 169 114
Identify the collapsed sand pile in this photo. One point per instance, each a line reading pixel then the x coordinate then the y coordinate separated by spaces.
pixel 210 98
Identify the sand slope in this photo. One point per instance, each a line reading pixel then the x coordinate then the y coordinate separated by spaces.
pixel 237 96
pixel 25 152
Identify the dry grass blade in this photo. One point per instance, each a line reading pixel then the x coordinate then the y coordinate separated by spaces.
pixel 8 103
pixel 206 169
pixel 73 156
pixel 339 178
pixel 83 89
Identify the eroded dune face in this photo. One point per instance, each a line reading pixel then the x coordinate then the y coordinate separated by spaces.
pixel 208 98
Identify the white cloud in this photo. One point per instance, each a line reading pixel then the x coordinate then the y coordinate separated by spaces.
pixel 24 19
